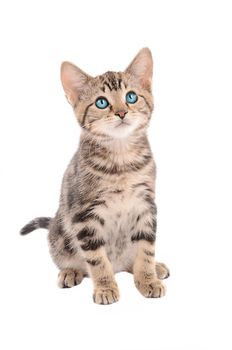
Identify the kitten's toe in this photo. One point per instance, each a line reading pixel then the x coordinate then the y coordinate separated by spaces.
pixel 69 278
pixel 152 289
pixel 162 270
pixel 105 296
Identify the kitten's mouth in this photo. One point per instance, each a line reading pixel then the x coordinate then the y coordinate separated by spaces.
pixel 121 124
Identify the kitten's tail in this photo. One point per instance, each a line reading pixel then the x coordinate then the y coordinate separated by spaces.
pixel 42 222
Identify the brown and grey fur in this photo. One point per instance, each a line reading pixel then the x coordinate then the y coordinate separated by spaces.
pixel 106 221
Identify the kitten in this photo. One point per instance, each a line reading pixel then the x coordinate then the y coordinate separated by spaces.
pixel 106 221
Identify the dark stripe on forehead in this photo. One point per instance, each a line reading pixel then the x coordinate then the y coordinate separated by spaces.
pixel 108 85
pixel 112 81
pixel 119 83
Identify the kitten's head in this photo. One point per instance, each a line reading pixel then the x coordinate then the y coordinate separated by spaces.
pixel 111 104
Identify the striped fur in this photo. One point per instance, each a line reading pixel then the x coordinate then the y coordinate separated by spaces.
pixel 106 221
pixel 42 222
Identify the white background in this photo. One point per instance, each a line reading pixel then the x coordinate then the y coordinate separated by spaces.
pixel 191 139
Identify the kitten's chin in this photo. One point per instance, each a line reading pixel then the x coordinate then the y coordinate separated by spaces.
pixel 121 130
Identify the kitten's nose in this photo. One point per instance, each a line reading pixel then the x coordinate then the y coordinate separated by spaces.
pixel 121 114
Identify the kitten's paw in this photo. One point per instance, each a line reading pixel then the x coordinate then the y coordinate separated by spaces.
pixel 105 296
pixel 69 278
pixel 151 289
pixel 162 270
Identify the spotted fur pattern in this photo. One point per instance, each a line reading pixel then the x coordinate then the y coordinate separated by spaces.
pixel 106 221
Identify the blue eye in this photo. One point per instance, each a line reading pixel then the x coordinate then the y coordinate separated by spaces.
pixel 102 103
pixel 131 97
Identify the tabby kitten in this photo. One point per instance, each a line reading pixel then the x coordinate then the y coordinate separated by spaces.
pixel 106 221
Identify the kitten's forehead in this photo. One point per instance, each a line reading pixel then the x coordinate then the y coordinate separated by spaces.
pixel 108 83
pixel 111 81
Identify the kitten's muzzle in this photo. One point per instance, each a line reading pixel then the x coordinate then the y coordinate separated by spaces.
pixel 121 114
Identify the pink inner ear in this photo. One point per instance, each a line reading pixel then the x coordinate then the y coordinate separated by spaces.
pixel 142 67
pixel 146 81
pixel 73 80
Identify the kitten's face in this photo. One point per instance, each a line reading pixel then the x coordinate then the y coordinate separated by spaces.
pixel 112 104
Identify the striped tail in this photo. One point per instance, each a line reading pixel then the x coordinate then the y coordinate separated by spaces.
pixel 42 222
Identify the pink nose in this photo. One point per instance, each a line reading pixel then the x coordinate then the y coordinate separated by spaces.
pixel 121 114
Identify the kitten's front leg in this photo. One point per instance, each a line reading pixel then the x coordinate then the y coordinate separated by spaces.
pixel 145 275
pixel 144 268
pixel 100 269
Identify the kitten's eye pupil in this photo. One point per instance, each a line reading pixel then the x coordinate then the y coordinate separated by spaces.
pixel 101 102
pixel 131 97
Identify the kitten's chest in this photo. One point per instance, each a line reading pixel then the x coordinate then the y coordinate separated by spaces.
pixel 123 208
pixel 122 212
pixel 124 202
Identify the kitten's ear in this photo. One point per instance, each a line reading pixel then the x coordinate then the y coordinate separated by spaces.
pixel 73 80
pixel 142 68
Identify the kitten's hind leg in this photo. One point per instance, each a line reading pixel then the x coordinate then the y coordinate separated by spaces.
pixel 162 270
pixel 68 278
pixel 66 256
